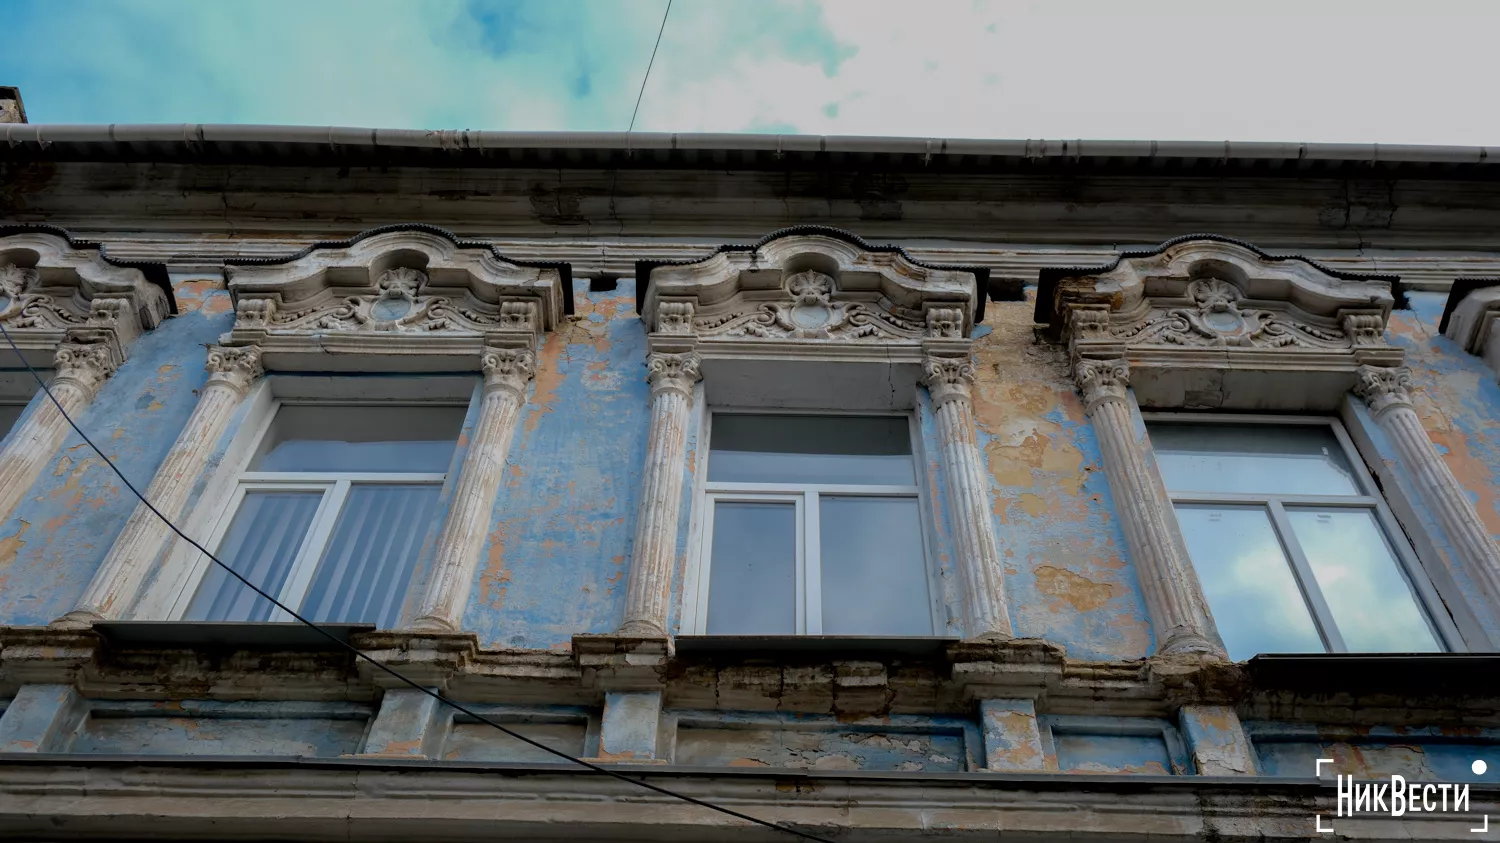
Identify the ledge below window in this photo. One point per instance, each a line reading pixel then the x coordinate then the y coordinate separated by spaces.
pixel 1408 673
pixel 228 635
pixel 827 646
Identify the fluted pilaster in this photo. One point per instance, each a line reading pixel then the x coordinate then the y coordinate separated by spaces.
pixel 1179 612
pixel 950 381
pixel 113 589
pixel 1387 391
pixel 672 377
pixel 506 373
pixel 81 370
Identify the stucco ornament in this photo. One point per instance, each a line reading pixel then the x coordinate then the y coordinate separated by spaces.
pixel 1216 318
pixel 396 300
pixel 811 318
pixel 69 309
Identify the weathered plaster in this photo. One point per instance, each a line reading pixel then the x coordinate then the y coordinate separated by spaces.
pixel 1416 753
pixel 1457 399
pixel 1216 740
pixel 1012 736
pixel 1067 576
pixel 555 561
pixel 78 503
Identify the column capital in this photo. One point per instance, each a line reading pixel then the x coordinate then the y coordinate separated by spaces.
pixel 673 372
pixel 1101 380
pixel 508 368
pixel 234 367
pixel 1384 387
pixel 948 379
pixel 84 365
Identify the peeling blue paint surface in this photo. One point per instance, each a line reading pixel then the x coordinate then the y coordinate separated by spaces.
pixel 192 727
pixel 554 564
pixel 906 743
pixel 1416 753
pixel 64 526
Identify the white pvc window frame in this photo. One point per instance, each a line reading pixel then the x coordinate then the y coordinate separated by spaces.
pixel 334 486
pixel 1275 505
pixel 805 496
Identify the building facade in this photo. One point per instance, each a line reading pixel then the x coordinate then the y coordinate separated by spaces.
pixel 885 489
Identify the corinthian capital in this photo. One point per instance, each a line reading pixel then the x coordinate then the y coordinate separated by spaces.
pixel 1384 387
pixel 1101 380
pixel 673 372
pixel 948 379
pixel 84 365
pixel 508 368
pixel 234 367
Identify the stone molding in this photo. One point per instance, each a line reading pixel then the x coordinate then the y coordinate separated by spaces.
pixel 450 580
pixel 816 298
pixel 1210 323
pixel 1388 392
pixel 1474 321
pixel 808 291
pixel 66 309
pixel 117 582
pixel 407 300
pixel 1179 612
pixel 51 293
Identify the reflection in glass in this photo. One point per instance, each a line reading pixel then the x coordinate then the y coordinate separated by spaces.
pixel 870 450
pixel 1371 600
pixel 1248 581
pixel 261 545
pixel 363 574
pixel 752 585
pixel 873 578
pixel 1266 459
pixel 347 438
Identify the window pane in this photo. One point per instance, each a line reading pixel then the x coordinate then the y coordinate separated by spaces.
pixel 261 545
pixel 874 573
pixel 1371 600
pixel 1266 459
pixel 867 450
pixel 9 414
pixel 367 565
pixel 360 438
pixel 1248 581
pixel 752 586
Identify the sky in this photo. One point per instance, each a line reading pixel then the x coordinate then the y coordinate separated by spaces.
pixel 1381 71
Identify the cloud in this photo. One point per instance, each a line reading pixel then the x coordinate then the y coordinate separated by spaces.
pixel 1337 70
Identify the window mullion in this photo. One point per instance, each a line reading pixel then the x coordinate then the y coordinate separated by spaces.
pixel 810 574
pixel 301 576
pixel 1303 571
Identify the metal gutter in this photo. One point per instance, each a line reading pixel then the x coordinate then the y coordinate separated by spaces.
pixel 189 136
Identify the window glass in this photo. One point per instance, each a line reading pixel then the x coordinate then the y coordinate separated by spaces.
pixel 9 415
pixel 1251 458
pixel 1361 579
pixel 369 558
pixel 861 450
pixel 1248 581
pixel 263 541
pixel 873 575
pixel 350 439
pixel 327 541
pixel 753 590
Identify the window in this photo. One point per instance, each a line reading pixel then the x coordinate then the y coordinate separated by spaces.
pixel 10 413
pixel 1294 547
pixel 813 526
pixel 330 513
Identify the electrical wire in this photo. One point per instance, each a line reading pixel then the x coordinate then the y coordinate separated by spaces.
pixel 377 663
pixel 642 92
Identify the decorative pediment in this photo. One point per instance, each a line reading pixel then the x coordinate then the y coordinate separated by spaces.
pixel 53 292
pixel 1200 314
pixel 402 298
pixel 808 288
pixel 1472 318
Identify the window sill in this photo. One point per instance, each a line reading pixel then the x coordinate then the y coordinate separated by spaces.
pixel 228 635
pixel 827 646
pixel 1406 673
